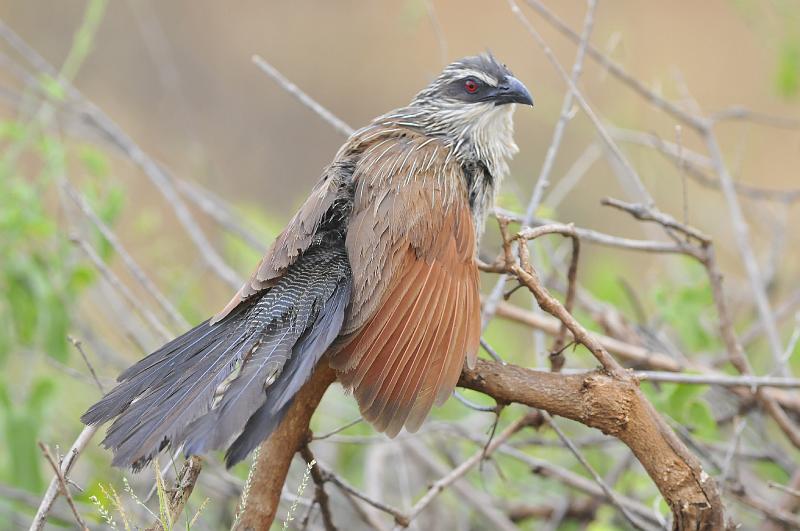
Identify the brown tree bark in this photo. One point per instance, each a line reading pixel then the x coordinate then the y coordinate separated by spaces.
pixel 619 409
pixel 276 453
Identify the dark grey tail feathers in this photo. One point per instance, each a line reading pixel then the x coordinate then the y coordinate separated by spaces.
pixel 235 378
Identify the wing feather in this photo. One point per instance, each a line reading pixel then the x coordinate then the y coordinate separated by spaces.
pixel 414 314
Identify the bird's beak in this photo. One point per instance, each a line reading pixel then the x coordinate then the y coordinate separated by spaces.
pixel 511 90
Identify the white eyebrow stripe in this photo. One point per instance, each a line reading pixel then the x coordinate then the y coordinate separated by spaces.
pixel 480 75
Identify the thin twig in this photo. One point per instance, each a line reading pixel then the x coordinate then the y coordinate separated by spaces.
pixel 568 231
pixel 304 98
pixel 472 405
pixel 741 233
pixel 464 467
pixel 742 113
pixel 66 465
pixel 79 347
pixel 719 379
pixel 491 351
pixel 649 213
pixel 441 41
pixel 62 482
pixel 784 488
pixel 399 517
pixel 321 496
pixel 137 306
pixel 137 272
pixel 600 238
pixel 338 430
pixel 589 468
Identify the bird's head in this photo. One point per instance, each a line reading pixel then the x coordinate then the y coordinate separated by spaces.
pixel 470 104
pixel 480 81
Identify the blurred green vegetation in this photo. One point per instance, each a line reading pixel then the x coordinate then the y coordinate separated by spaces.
pixel 786 42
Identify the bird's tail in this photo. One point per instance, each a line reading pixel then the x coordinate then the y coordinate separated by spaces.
pixel 235 377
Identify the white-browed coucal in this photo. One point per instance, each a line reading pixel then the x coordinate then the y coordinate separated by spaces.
pixel 376 271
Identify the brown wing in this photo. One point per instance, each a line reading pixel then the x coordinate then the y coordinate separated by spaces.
pixel 290 243
pixel 415 308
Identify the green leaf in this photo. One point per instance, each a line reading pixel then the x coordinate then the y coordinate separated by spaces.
pixel 24 313
pixel 771 471
pixel 681 399
pixel 11 130
pixel 787 76
pixel 82 277
pixel 5 399
pixel 56 329
pixel 94 160
pixel 23 453
pixel 43 390
pixel 701 419
pixel 51 87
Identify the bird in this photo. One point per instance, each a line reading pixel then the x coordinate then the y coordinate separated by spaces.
pixel 375 274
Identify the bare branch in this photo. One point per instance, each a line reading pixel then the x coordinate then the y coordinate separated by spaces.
pixel 304 98
pixel 179 495
pixel 321 496
pixel 79 347
pixel 466 465
pixel 741 233
pixel 616 408
pixel 612 497
pixel 127 259
pixel 617 71
pixel 62 483
pixel 66 465
pixel 139 308
pixel 719 379
pixel 275 454
pixel 737 112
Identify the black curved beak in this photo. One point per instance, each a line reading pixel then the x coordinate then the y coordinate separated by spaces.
pixel 511 90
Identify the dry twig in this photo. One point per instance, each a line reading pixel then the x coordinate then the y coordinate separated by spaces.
pixel 179 495
pixel 62 484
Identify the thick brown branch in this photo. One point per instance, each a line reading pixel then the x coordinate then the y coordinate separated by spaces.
pixel 276 453
pixel 619 409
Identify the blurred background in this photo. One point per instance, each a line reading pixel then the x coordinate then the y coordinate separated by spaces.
pixel 178 78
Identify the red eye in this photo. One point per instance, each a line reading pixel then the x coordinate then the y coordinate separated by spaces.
pixel 471 86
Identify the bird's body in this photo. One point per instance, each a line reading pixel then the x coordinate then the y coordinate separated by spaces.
pixel 377 270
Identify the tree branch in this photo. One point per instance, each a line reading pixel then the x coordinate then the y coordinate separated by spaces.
pixel 619 409
pixel 276 453
pixel 179 495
